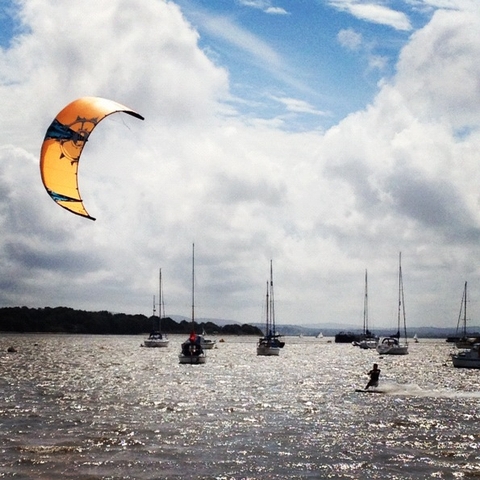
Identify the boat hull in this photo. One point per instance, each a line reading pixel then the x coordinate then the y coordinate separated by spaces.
pixel 156 339
pixel 269 346
pixel 467 342
pixel 392 349
pixel 467 359
pixel 206 343
pixel 192 359
pixel 156 343
pixel 267 351
pixel 346 337
pixel 368 344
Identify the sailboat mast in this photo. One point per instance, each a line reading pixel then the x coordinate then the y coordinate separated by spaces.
pixel 193 287
pixel 160 294
pixel 399 290
pixel 401 300
pixel 272 303
pixel 161 302
pixel 154 309
pixel 404 316
pixel 365 306
pixel 465 312
pixel 267 314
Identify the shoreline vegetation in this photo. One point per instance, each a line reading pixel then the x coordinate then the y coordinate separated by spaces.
pixel 69 320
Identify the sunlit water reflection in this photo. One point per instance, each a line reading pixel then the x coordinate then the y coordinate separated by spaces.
pixel 91 407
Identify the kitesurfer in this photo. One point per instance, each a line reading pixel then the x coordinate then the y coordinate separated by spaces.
pixel 374 375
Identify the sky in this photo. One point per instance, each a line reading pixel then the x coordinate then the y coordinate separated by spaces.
pixel 325 135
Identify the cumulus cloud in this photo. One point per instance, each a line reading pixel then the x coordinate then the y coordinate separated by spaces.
pixel 438 73
pixel 402 174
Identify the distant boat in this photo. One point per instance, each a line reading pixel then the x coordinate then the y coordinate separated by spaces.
pixel 415 338
pixel 368 340
pixel 270 344
pixel 157 338
pixel 192 351
pixel 206 343
pixel 347 337
pixel 392 345
pixel 320 335
pixel 462 340
pixel 468 358
pixel 452 339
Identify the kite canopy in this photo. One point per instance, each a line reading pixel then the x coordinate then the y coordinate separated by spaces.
pixel 63 145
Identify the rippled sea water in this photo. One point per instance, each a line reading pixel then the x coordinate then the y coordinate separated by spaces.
pixel 102 407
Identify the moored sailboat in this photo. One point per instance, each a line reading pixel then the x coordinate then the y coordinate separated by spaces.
pixel 367 340
pixel 464 340
pixel 469 358
pixel 192 351
pixel 207 343
pixel 270 344
pixel 392 345
pixel 156 338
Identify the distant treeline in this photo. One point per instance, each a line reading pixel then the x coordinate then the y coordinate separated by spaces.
pixel 68 320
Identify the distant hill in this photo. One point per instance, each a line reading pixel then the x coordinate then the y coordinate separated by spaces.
pixel 422 332
pixel 68 320
pixel 330 329
pixel 217 321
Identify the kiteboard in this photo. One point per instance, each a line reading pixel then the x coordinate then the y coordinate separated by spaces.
pixel 363 390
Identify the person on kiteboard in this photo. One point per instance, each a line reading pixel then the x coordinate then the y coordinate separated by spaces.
pixel 374 376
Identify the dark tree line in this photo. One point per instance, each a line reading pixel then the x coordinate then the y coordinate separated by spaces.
pixel 68 320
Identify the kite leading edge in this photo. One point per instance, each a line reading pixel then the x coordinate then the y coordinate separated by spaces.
pixel 63 145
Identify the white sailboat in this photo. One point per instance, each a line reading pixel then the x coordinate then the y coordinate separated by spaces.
pixel 270 344
pixel 367 340
pixel 156 338
pixel 392 345
pixel 192 351
pixel 207 343
pixel 469 358
pixel 464 340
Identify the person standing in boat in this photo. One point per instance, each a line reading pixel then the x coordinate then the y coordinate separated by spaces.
pixel 374 375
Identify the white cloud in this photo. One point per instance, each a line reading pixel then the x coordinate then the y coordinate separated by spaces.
pixel 453 4
pixel 298 106
pixel 438 71
pixel 352 40
pixel 377 62
pixel 375 13
pixel 349 38
pixel 260 53
pixel 243 39
pixel 401 175
pixel 264 5
pixel 276 11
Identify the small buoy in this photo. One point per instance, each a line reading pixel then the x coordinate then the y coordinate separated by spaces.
pixel 11 349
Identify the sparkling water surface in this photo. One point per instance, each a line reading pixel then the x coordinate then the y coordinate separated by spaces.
pixel 102 407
